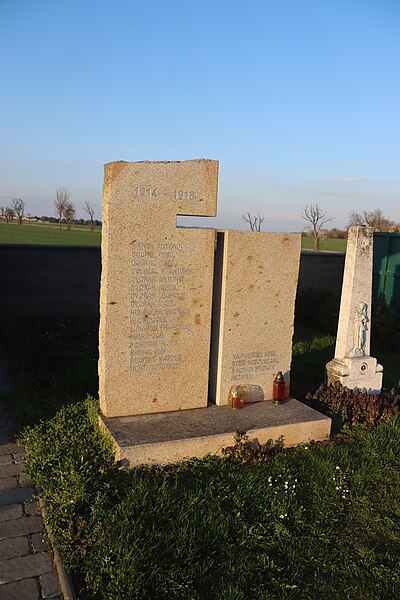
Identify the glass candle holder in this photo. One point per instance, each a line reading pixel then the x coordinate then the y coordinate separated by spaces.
pixel 236 397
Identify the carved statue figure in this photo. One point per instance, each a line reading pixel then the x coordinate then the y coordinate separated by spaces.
pixel 360 330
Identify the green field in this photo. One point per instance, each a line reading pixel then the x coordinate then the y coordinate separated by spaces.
pixel 12 233
pixel 327 244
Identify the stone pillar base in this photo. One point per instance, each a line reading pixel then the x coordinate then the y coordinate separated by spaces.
pixel 362 372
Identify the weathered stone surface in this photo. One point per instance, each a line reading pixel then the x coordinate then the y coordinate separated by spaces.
pixel 252 339
pixel 49 585
pixel 23 567
pixel 31 508
pixel 24 480
pixel 10 470
pixel 9 448
pixel 7 483
pixel 356 288
pixel 10 547
pixel 156 287
pixel 21 526
pixel 6 459
pixel 39 542
pixel 10 511
pixel 175 436
pixel 352 365
pixel 27 589
pixel 15 495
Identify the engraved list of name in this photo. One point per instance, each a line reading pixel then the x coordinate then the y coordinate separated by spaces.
pixel 157 305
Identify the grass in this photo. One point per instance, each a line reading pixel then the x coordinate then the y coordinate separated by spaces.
pixel 327 244
pixel 312 522
pixel 12 233
pixel 321 520
pixel 52 361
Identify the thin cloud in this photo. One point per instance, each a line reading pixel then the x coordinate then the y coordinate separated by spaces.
pixel 331 193
pixel 279 214
pixel 352 179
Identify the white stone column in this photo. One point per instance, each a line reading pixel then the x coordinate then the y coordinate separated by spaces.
pixel 353 366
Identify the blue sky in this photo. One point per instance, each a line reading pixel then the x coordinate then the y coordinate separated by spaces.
pixel 299 101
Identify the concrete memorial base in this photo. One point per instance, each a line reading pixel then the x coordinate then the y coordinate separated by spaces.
pixel 362 372
pixel 170 437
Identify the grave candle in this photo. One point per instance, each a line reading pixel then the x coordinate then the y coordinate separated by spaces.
pixel 236 396
pixel 279 388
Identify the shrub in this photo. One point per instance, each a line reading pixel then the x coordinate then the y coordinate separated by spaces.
pixel 248 451
pixel 356 407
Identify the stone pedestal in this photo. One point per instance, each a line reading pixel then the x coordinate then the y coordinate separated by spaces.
pixel 175 436
pixel 363 372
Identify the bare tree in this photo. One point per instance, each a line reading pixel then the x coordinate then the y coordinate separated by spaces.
pixel 60 203
pixel 355 219
pixel 9 214
pixel 316 217
pixel 373 218
pixel 69 214
pixel 2 209
pixel 88 208
pixel 18 206
pixel 254 221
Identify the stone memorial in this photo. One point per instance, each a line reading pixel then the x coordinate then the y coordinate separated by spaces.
pixel 156 309
pixel 352 365
pixel 256 279
pixel 156 287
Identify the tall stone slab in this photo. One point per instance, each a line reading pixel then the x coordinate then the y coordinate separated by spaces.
pixel 255 286
pixel 156 287
pixel 352 365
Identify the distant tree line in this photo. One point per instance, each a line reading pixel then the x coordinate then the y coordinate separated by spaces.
pixel 64 209
pixel 15 210
pixel 316 219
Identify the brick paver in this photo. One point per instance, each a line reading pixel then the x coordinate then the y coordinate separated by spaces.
pixel 26 568
pixel 27 589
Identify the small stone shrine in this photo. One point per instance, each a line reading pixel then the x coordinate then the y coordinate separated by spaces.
pixel 353 366
pixel 159 296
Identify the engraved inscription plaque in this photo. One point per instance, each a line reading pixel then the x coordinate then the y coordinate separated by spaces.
pixel 256 281
pixel 156 287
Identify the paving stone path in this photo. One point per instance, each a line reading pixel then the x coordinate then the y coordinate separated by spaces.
pixel 26 567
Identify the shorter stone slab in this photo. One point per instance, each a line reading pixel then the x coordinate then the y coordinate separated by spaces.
pixel 175 436
pixel 254 296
